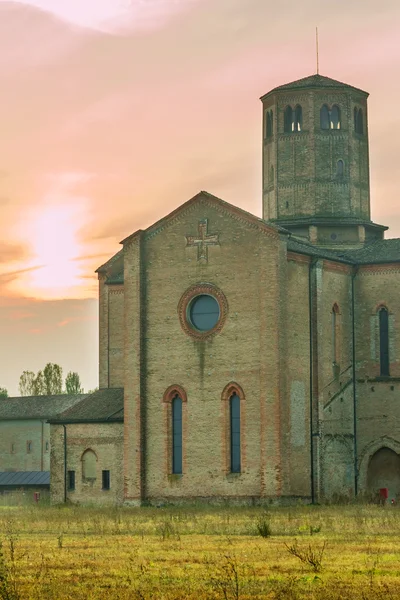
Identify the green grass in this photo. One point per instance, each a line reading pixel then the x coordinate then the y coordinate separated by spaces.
pixel 200 553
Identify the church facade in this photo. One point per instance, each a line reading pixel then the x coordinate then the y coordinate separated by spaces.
pixel 250 359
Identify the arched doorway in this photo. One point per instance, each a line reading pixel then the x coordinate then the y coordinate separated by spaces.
pixel 384 472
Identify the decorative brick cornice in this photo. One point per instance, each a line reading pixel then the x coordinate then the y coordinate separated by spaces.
pixel 220 206
pixel 116 290
pixel 339 267
pixel 298 258
pixel 388 268
pixel 183 305
pixel 292 99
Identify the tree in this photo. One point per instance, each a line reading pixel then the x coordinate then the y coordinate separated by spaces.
pixel 52 375
pixel 39 385
pixel 26 384
pixel 3 393
pixel 73 383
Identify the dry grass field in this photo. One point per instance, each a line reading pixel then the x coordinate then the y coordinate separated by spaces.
pixel 200 553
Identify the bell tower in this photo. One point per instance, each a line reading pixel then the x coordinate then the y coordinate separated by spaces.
pixel 316 162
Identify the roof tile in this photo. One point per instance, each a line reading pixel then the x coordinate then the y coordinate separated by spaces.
pixel 104 405
pixel 36 407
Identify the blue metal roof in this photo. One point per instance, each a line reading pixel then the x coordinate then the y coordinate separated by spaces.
pixel 23 478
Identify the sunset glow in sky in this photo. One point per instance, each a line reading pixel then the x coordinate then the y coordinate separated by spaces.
pixel 114 112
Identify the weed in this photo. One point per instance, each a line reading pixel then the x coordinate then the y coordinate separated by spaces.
pixel 263 525
pixel 308 555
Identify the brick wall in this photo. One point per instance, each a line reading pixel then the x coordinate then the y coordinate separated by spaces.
pixel 15 455
pixel 106 441
pixel 305 162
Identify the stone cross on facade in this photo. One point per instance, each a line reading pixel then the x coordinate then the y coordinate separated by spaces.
pixel 202 240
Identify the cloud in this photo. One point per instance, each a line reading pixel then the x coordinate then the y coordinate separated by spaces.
pixel 10 276
pixel 12 252
pixel 109 16
pixel 19 315
pixel 80 319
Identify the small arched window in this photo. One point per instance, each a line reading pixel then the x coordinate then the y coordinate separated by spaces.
pixel 234 415
pixel 271 174
pixel 177 435
pixel 288 120
pixel 384 341
pixel 335 335
pixel 330 118
pixel 298 118
pixel 324 117
pixel 335 117
pixel 340 169
pixel 269 123
pixel 358 121
pixel 89 461
pixel 234 405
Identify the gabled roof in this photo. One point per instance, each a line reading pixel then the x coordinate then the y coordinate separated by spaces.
pixel 313 81
pixel 379 252
pixel 103 406
pixel 206 197
pixel 111 262
pixel 36 407
pixel 24 478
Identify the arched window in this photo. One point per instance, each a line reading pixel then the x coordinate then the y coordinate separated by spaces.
pixel 234 406
pixel 177 435
pixel 233 415
pixel 175 428
pixel 340 169
pixel 358 121
pixel 330 118
pixel 298 118
pixel 269 123
pixel 288 120
pixel 271 174
pixel 324 117
pixel 89 461
pixel 335 117
pixel 335 335
pixel 384 341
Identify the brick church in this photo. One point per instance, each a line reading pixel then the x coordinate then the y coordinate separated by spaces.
pixel 250 359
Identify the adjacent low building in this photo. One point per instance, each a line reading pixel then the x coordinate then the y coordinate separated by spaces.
pixel 25 437
pixel 87 450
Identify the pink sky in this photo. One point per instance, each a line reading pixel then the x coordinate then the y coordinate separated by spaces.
pixel 114 112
